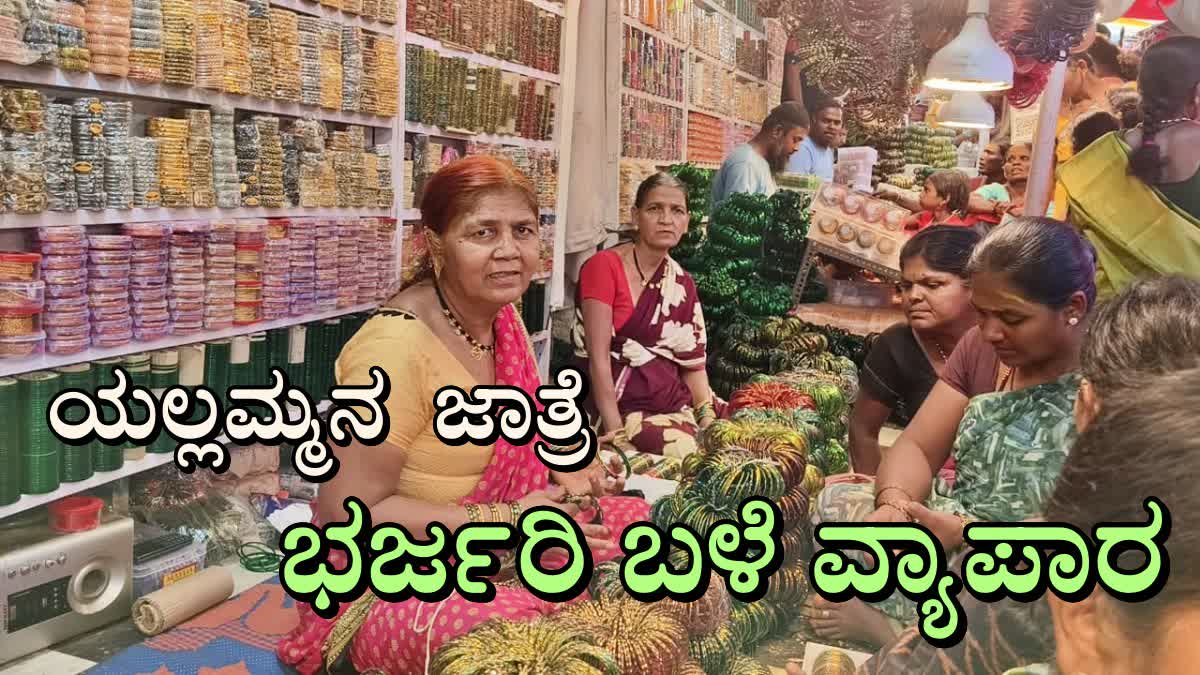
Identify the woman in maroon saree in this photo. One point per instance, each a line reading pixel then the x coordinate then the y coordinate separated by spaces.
pixel 639 331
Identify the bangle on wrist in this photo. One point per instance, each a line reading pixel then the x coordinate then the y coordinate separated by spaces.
pixel 473 513
pixel 884 490
pixel 495 511
pixel 516 512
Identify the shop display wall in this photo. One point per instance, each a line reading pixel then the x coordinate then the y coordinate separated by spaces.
pixel 697 79
pixel 239 175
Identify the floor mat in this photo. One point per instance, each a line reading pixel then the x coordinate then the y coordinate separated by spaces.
pixel 234 638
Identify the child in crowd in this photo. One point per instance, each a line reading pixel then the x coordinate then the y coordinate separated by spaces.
pixel 944 201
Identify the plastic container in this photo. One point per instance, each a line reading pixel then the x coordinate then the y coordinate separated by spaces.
pixel 82 330
pixel 141 295
pixel 65 319
pixel 22 347
pixel 67 346
pixel 63 263
pixel 75 514
pixel 108 271
pixel 151 257
pixel 148 333
pixel 113 339
pixel 75 275
pixel 19 266
pixel 62 233
pixel 110 242
pixel 30 295
pixel 185 327
pixel 149 269
pixel 64 248
pixel 17 322
pixel 106 286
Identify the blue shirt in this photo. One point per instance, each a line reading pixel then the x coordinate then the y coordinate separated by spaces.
pixel 744 170
pixel 812 160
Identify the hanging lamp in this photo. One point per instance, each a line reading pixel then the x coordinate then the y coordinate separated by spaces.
pixel 967 110
pixel 972 61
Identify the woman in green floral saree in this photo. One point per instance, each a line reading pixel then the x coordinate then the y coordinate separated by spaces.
pixel 1136 195
pixel 1004 407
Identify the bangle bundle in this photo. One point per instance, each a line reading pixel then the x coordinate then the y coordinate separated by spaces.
pixel 527 647
pixel 642 638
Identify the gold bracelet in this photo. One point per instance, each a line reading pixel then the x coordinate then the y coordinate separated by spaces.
pixel 473 513
pixel 516 512
pixel 880 492
pixel 495 513
pixel 896 507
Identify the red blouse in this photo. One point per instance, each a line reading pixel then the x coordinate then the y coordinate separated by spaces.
pixel 603 278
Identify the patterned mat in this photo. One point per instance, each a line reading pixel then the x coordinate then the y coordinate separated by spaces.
pixel 237 637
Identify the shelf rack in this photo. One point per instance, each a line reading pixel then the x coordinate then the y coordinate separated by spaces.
pixel 384 130
pixel 152 460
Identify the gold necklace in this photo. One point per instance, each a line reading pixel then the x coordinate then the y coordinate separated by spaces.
pixel 478 349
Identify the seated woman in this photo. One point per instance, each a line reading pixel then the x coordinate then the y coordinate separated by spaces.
pixel 1136 194
pixel 1104 483
pixel 1002 407
pixel 1150 328
pixel 908 358
pixel 639 331
pixel 453 324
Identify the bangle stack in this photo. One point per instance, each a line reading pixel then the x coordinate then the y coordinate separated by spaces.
pixel 895 504
pixel 516 512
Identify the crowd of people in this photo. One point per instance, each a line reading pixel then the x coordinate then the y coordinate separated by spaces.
pixel 1045 370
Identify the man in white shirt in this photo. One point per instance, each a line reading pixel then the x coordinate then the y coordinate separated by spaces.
pixel 817 153
pixel 752 166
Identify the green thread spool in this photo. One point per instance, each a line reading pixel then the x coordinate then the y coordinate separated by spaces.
pixel 330 345
pixel 276 353
pixel 138 367
pixel 164 374
pixel 260 362
pixel 240 371
pixel 78 461
pixel 10 448
pixel 107 457
pixel 216 367
pixel 41 452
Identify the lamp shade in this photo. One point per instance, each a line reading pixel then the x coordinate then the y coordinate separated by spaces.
pixel 967 110
pixel 972 61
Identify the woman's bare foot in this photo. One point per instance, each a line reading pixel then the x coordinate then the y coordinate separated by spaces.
pixel 853 621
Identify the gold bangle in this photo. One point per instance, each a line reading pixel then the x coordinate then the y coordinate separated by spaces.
pixel 516 512
pixel 473 513
pixel 897 507
pixel 880 492
pixel 495 511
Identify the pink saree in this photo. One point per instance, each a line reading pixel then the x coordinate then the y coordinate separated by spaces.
pixel 401 637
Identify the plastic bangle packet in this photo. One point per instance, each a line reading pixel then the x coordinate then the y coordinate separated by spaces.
pixel 65 346
pixel 73 290
pixel 147 282
pixel 261 66
pixel 188 290
pixel 110 242
pixel 190 327
pixel 107 272
pixel 146 193
pixel 99 256
pixel 22 346
pixel 24 163
pixel 59 162
pixel 114 339
pixel 151 332
pixel 56 305
pixel 109 286
pixel 186 306
pixel 75 248
pixel 148 295
pixel 19 266
pixel 110 299
pixel 67 319
pixel 149 256
pixel 246 313
pixel 20 321
pixel 151 312
pixel 22 295
pixel 157 270
pixel 73 274
pixel 104 314
pixel 61 234
pixel 60 332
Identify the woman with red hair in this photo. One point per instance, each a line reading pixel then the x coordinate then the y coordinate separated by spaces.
pixel 452 324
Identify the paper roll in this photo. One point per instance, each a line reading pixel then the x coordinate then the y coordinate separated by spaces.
pixel 168 607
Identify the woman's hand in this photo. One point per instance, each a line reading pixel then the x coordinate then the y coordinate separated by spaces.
pixel 552 497
pixel 599 538
pixel 896 512
pixel 947 527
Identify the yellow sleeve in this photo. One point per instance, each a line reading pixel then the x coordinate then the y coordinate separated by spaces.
pixel 400 346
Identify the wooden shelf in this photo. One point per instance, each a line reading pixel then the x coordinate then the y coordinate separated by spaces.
pixel 634 23
pixel 8 368
pixel 45 76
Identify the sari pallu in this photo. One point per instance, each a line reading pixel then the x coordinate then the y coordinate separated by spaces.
pixel 664 336
pixel 1010 448
pixel 400 637
pixel 1135 229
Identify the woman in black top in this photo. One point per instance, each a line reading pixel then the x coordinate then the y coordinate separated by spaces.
pixel 907 358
